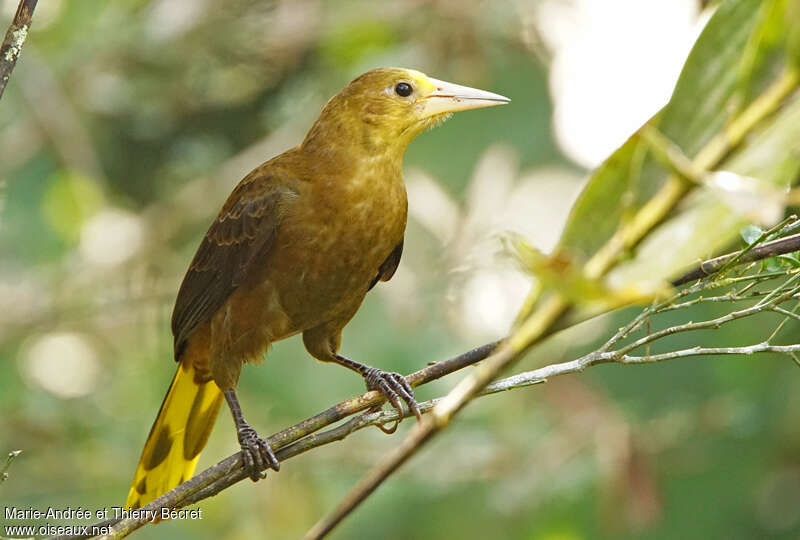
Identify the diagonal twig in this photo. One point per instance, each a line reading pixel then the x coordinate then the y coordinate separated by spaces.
pixel 4 470
pixel 15 38
pixel 781 246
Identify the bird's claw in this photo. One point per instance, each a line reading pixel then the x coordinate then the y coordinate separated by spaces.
pixel 394 387
pixel 256 454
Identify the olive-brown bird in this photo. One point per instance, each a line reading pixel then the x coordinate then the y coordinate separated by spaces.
pixel 295 248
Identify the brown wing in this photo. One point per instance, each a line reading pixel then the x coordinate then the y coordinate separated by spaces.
pixel 389 266
pixel 241 235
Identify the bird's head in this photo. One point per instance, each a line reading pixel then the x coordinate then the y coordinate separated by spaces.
pixel 387 107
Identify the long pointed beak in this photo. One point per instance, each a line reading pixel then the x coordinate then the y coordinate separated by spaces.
pixel 448 97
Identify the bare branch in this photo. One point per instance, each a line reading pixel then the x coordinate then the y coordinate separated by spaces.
pixel 4 471
pixel 15 38
pixel 229 471
pixel 786 312
pixel 707 351
pixel 764 251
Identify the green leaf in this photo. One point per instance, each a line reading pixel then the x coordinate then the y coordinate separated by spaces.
pixel 789 260
pixel 773 265
pixel 710 91
pixel 767 44
pixel 701 105
pixel 706 225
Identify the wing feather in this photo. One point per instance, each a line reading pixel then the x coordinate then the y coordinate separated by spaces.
pixel 241 236
pixel 389 266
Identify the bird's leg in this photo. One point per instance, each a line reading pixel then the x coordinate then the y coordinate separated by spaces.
pixel 392 385
pixel 256 453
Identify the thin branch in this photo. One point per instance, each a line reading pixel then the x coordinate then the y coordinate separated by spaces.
pixel 763 251
pixel 730 297
pixel 788 222
pixel 712 323
pixel 578 365
pixel 533 377
pixel 786 312
pixel 229 471
pixel 707 351
pixel 542 375
pixel 521 380
pixel 9 459
pixel 15 38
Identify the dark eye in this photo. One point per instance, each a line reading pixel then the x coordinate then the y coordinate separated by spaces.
pixel 403 89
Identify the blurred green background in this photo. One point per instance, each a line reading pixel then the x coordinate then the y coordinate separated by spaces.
pixel 123 129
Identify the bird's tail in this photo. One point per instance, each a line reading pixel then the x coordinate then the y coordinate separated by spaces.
pixel 177 437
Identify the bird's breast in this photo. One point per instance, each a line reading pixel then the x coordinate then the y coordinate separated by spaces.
pixel 332 242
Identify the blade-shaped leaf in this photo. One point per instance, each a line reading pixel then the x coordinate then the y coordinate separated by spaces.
pixel 701 105
pixel 706 224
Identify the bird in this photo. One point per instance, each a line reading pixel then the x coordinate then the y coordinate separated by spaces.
pixel 294 250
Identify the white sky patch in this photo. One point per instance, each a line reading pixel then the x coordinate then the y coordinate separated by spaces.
pixel 615 64
pixel 110 237
pixel 540 203
pixel 490 300
pixel 64 364
pixel 486 286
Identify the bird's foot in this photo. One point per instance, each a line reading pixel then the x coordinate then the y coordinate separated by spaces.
pixel 394 387
pixel 256 453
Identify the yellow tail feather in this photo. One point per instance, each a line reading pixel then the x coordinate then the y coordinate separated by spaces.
pixel 177 437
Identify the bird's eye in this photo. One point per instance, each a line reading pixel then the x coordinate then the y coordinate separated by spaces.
pixel 403 89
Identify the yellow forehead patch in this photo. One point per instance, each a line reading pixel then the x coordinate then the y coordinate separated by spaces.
pixel 421 81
